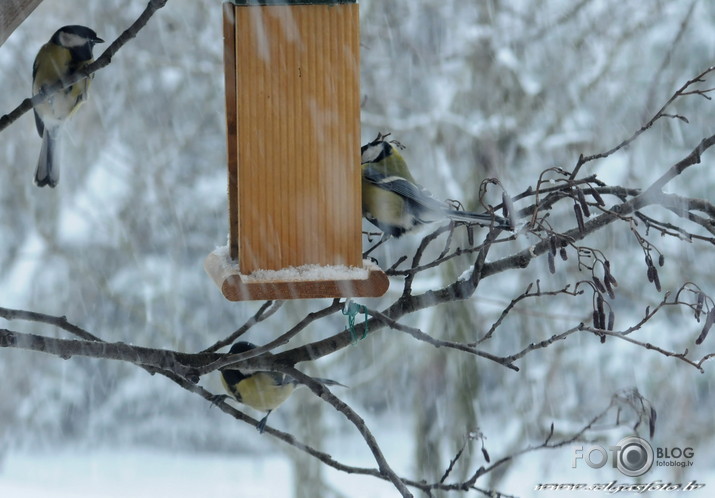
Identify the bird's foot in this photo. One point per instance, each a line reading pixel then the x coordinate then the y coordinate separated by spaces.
pixel 218 398
pixel 261 426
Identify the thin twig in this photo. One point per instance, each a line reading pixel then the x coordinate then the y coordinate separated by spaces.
pixel 58 321
pixel 524 295
pixel 228 360
pixel 421 336
pixel 682 91
pixel 265 311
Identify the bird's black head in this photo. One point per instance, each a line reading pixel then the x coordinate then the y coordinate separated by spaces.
pixel 231 375
pixel 241 347
pixel 376 150
pixel 77 39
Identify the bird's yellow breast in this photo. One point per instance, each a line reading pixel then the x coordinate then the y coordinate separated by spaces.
pixel 260 391
pixel 51 65
pixel 382 204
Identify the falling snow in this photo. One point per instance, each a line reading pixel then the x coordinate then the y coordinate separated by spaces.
pixel 473 90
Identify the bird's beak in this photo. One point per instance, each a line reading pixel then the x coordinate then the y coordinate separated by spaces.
pixel 97 39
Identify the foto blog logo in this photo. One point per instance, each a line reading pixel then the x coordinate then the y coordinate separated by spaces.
pixel 632 456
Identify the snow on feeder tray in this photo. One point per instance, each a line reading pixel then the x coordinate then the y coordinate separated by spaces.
pixel 293 122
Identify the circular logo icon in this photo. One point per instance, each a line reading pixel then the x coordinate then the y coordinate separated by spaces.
pixel 635 456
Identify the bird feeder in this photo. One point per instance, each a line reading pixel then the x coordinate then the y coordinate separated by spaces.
pixel 293 121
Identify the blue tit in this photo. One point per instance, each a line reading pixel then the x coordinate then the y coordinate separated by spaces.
pixel 69 49
pixel 263 391
pixel 395 203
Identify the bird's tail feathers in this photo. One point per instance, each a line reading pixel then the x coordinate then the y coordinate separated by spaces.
pixel 48 165
pixel 485 219
pixel 328 382
pixel 325 382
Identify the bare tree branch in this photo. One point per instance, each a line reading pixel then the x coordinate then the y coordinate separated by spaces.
pixel 421 336
pixel 161 359
pixel 682 91
pixel 324 393
pixel 60 322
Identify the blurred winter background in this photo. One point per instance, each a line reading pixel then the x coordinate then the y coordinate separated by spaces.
pixel 473 89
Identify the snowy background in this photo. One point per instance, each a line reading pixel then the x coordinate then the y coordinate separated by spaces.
pixel 473 89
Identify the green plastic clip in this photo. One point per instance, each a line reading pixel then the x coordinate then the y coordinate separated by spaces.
pixel 351 310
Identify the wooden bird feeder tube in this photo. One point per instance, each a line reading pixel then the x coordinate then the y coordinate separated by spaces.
pixel 293 124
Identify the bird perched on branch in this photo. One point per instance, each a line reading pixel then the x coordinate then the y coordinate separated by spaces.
pixel 263 391
pixel 69 49
pixel 395 203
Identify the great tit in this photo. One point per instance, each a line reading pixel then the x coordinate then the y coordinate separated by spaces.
pixel 395 203
pixel 263 391
pixel 69 49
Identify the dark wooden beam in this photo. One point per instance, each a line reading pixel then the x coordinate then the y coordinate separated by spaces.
pixel 12 13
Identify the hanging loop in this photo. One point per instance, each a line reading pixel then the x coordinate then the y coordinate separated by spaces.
pixel 351 310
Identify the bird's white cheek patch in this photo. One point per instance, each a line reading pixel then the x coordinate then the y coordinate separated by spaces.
pixel 370 154
pixel 70 40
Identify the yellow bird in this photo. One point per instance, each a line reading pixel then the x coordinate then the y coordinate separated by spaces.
pixel 263 391
pixel 69 49
pixel 395 203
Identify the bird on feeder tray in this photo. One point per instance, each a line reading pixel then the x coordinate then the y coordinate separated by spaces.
pixel 395 203
pixel 263 391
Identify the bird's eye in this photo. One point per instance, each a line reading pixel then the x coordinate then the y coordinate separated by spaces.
pixel 397 145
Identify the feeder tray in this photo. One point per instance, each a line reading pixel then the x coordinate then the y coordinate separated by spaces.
pixel 294 182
